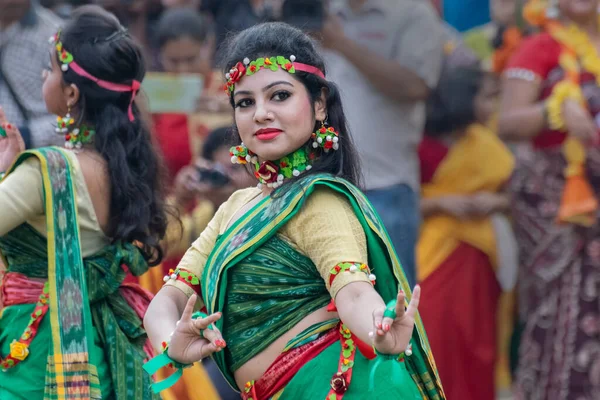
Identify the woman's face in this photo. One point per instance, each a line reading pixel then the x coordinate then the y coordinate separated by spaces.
pixel 184 56
pixel 274 114
pixel 578 10
pixel 52 88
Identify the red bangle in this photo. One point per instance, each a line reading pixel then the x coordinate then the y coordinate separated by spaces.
pixel 185 276
pixel 352 267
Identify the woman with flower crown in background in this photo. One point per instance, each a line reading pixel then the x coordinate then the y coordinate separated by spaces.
pixel 551 102
pixel 74 222
pixel 304 293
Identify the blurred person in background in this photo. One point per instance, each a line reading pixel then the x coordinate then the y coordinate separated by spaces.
pixel 72 225
pixel 464 170
pixel 551 104
pixel 495 41
pixel 182 39
pixel 140 17
pixel 233 16
pixel 25 28
pixel 204 185
pixel 388 56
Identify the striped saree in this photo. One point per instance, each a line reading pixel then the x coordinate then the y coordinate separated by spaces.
pixel 89 345
pixel 264 286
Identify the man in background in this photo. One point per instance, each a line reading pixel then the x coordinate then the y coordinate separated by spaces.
pixel 386 56
pixel 25 28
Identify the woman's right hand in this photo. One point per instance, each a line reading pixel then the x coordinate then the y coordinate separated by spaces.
pixel 192 340
pixel 11 145
pixel 579 122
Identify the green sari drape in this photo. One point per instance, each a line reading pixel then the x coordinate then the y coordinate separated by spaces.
pixel 92 329
pixel 262 222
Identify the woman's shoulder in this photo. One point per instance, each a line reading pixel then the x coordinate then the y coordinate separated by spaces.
pixel 242 196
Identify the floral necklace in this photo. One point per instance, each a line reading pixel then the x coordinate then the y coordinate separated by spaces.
pixel 578 46
pixel 272 174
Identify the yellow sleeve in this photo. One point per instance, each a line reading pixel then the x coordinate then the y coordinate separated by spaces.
pixel 328 232
pixel 21 195
pixel 195 257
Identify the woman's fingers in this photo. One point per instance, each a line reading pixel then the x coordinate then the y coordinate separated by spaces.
pixel 214 336
pixel 189 308
pixel 206 323
pixel 413 306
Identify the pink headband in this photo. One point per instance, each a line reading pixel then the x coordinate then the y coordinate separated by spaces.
pixel 310 69
pixel 67 61
pixel 115 87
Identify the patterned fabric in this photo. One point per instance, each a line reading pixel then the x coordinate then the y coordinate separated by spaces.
pixel 559 284
pixel 96 298
pixel 260 224
pixel 270 291
pixel 24 55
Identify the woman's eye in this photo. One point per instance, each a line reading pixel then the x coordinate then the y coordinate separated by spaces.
pixel 281 95
pixel 243 103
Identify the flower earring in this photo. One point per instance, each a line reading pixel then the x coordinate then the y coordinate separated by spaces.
pixel 326 137
pixel 75 138
pixel 241 155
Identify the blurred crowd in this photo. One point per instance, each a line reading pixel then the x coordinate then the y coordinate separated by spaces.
pixel 432 108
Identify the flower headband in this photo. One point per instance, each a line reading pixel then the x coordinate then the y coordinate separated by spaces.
pixel 67 62
pixel 248 68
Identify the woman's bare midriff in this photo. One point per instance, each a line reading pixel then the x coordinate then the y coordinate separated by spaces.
pixel 258 365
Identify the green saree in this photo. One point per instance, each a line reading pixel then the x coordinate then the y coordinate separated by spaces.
pixel 252 242
pixel 89 344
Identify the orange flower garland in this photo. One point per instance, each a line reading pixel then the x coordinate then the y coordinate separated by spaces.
pixel 578 204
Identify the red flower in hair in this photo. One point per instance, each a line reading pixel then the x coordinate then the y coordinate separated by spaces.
pixel 236 73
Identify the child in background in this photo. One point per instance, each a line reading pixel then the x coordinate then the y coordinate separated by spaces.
pixel 461 255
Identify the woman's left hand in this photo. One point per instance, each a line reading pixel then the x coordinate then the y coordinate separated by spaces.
pixel 392 336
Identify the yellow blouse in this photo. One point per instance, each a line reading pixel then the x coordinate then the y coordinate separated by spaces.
pixel 326 230
pixel 22 201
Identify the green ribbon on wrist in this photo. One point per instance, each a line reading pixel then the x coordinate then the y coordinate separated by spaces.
pixel 2 132
pixel 162 360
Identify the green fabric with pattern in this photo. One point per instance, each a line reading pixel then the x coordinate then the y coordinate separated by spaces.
pixel 115 325
pixel 260 224
pixel 275 281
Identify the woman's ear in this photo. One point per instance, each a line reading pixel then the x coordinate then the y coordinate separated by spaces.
pixel 71 94
pixel 321 106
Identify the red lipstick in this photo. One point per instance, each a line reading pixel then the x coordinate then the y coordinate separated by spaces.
pixel 267 133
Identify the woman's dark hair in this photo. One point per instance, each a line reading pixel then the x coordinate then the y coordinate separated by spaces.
pixel 177 23
pixel 279 39
pixel 451 106
pixel 102 47
pixel 216 139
